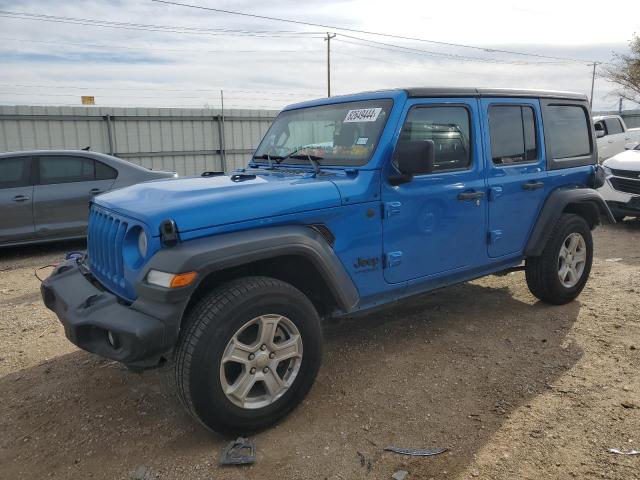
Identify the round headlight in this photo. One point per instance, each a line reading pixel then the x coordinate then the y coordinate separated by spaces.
pixel 142 244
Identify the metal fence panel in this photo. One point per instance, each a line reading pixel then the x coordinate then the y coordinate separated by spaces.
pixel 187 141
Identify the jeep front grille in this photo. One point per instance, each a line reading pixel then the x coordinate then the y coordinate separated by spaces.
pixel 624 185
pixel 104 244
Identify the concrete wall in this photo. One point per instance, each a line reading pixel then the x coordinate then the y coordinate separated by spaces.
pixel 187 141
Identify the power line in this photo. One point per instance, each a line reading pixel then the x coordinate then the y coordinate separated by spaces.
pixel 38 94
pixel 158 28
pixel 155 49
pixel 372 59
pixel 203 105
pixel 368 32
pixel 417 51
pixel 145 89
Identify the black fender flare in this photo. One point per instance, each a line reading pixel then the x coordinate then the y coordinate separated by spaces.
pixel 218 252
pixel 578 199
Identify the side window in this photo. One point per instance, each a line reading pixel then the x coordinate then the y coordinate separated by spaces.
pixel 448 128
pixel 613 125
pixel 512 129
pixel 104 172
pixel 567 131
pixel 60 169
pixel 15 172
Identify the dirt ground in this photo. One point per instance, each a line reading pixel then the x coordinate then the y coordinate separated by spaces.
pixel 515 389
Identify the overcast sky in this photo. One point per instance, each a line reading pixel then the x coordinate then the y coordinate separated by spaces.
pixel 270 64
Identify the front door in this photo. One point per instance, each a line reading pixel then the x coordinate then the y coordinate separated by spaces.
pixel 16 199
pixel 435 224
pixel 515 171
pixel 66 184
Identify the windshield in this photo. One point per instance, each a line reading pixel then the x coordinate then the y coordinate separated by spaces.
pixel 344 134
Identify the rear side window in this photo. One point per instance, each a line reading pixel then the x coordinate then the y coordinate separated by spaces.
pixel 14 172
pixel 512 129
pixel 60 169
pixel 613 126
pixel 105 172
pixel 567 131
pixel 449 129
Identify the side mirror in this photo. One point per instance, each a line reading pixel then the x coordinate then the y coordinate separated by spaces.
pixel 413 157
pixel 599 133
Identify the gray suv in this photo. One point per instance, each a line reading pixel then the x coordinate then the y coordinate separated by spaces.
pixel 44 195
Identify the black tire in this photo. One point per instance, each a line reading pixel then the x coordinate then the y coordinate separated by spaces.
pixel 209 327
pixel 542 272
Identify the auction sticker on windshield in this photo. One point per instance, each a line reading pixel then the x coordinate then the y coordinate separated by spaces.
pixel 362 115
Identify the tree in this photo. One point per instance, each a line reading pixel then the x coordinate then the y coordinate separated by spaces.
pixel 625 71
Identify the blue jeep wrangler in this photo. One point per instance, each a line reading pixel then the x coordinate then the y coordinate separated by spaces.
pixel 349 203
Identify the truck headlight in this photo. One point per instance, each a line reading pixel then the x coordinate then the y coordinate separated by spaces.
pixel 135 247
pixel 607 171
pixel 170 280
pixel 143 245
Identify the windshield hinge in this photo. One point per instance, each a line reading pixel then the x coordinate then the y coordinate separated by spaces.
pixel 391 209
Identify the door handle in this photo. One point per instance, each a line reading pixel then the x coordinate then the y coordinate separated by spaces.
pixel 95 191
pixel 20 198
pixel 532 185
pixel 472 195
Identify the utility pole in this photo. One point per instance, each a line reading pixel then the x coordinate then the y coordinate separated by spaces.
pixel 328 40
pixel 593 81
pixel 223 153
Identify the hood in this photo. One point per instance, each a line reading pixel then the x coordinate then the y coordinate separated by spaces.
pixel 627 160
pixel 201 202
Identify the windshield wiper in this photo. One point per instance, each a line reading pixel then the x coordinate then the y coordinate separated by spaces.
pixel 269 158
pixel 313 160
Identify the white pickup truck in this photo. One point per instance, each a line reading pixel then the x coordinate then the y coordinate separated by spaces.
pixel 613 135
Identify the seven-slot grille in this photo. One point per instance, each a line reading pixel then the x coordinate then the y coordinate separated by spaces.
pixel 624 185
pixel 105 236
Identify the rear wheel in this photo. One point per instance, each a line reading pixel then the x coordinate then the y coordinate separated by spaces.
pixel 561 272
pixel 249 354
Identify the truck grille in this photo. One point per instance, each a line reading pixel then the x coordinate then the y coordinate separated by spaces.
pixel 104 245
pixel 624 185
pixel 626 173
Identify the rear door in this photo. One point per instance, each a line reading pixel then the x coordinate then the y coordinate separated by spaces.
pixel 65 185
pixel 16 199
pixel 516 171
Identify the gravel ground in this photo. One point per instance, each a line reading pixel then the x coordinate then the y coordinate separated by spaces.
pixel 515 389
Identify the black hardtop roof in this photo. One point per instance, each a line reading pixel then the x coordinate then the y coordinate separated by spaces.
pixel 490 92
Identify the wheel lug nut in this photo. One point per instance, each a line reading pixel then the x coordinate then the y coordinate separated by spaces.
pixel 251 356
pixel 272 355
pixel 253 370
pixel 265 370
pixel 263 347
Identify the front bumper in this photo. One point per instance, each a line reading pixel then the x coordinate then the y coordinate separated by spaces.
pixel 629 209
pixel 620 203
pixel 143 331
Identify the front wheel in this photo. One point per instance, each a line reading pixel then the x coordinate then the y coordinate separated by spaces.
pixel 249 354
pixel 561 272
